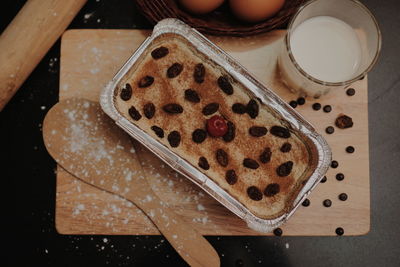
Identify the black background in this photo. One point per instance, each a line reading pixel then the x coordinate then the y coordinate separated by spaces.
pixel 28 173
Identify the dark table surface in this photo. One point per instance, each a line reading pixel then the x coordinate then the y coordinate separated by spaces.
pixel 29 188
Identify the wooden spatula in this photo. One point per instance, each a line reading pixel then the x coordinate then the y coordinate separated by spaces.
pixel 89 145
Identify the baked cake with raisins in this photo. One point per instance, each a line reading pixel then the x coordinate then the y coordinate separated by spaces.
pixel 191 105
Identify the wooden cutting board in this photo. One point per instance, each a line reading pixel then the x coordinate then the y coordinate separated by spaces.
pixel 90 58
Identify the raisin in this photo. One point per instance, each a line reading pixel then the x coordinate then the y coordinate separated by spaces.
pixel 284 169
pixel 203 163
pixel 199 135
pixel 173 108
pixel 149 109
pixel 134 113
pixel 126 92
pixel 286 147
pixel 250 163
pixel 199 73
pixel 174 138
pixel 222 157
pixel 158 131
pixel 252 108
pixel 225 85
pixel 344 122
pixel 174 70
pixel 146 81
pixel 265 156
pixel 230 134
pixel 254 193
pixel 159 52
pixel 231 177
pixel 239 108
pixel 280 131
pixel 258 131
pixel 192 96
pixel 272 190
pixel 210 109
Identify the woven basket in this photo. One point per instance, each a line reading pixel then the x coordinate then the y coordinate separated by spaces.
pixel 218 22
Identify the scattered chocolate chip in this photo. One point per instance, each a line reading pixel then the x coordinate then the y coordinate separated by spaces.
pixel 327 203
pixel 324 179
pixel 327 108
pixel 210 109
pixel 192 96
pixel 340 176
pixel 293 103
pixel 258 131
pixel 330 130
pixel 316 106
pixel 199 135
pixel 278 232
pixel 199 73
pixel 306 202
pixel 239 108
pixel 254 193
pixel 158 131
pixel 174 70
pixel 126 92
pixel 280 131
pixel 134 113
pixel 231 177
pixel 225 85
pixel 286 147
pixel 342 196
pixel 159 52
pixel 173 108
pixel 149 109
pixel 350 91
pixel 339 231
pixel 252 108
pixel 350 149
pixel 265 156
pixel 222 157
pixel 146 81
pixel 334 164
pixel 203 163
pixel 250 163
pixel 344 122
pixel 174 138
pixel 271 190
pixel 301 101
pixel 284 169
pixel 230 134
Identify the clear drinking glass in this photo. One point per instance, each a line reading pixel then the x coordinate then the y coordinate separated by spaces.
pixel 353 13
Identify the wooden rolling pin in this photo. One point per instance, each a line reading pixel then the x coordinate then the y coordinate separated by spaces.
pixel 27 39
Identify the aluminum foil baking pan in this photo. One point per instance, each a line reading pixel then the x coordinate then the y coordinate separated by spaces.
pixel 319 149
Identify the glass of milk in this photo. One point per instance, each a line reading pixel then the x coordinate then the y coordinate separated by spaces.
pixel 329 45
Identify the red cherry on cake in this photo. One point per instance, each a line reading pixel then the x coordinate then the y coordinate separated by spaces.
pixel 216 126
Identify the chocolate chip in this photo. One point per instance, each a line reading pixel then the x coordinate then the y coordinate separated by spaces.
pixel 286 147
pixel 334 164
pixel 272 190
pixel 126 92
pixel 350 91
pixel 340 176
pixel 280 131
pixel 330 130
pixel 231 177
pixel 327 108
pixel 134 113
pixel 339 231
pixel 342 197
pixel 230 134
pixel 252 108
pixel 174 138
pixel 324 179
pixel 293 104
pixel 173 108
pixel 239 108
pixel 146 81
pixel 306 202
pixel 284 169
pixel 225 85
pixel 258 131
pixel 199 73
pixel 316 106
pixel 158 131
pixel 149 109
pixel 265 156
pixel 278 232
pixel 174 70
pixel 250 163
pixel 350 149
pixel 327 203
pixel 210 109
pixel 203 163
pixel 301 101
pixel 159 52
pixel 344 122
pixel 199 135
pixel 222 157
pixel 192 96
pixel 254 193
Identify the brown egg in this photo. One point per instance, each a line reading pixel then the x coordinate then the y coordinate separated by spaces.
pixel 255 10
pixel 200 6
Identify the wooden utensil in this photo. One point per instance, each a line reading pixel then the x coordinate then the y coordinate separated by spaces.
pixel 28 38
pixel 86 143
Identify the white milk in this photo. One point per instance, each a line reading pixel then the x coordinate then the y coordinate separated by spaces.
pixel 326 48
